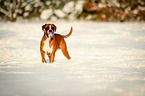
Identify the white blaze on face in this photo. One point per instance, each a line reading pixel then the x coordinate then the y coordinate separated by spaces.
pixel 49 27
pixel 46 47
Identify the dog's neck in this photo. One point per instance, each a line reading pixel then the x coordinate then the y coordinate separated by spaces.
pixel 45 37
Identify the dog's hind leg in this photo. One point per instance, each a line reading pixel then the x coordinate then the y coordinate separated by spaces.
pixel 65 51
pixel 52 57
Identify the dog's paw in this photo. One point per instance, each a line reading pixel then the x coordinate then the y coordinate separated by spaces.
pixel 44 61
pixel 51 61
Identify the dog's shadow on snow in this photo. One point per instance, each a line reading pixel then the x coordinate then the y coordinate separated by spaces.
pixel 47 60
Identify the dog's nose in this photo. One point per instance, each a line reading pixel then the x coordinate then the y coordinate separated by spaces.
pixel 50 30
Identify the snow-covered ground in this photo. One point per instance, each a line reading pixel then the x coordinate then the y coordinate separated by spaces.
pixel 108 59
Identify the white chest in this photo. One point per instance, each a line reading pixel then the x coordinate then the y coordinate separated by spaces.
pixel 46 47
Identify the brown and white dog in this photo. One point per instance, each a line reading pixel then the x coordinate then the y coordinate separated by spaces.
pixel 51 42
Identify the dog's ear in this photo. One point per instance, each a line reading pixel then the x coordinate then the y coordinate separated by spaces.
pixel 43 27
pixel 55 27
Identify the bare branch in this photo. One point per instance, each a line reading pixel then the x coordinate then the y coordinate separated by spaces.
pixel 4 11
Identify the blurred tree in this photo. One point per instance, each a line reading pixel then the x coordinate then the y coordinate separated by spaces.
pixel 10 8
pixel 99 10
pixel 114 10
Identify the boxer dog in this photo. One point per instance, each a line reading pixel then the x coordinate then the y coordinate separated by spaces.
pixel 51 42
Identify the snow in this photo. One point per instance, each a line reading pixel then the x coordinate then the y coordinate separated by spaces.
pixel 108 59
pixel 28 8
pixel 46 14
pixel 69 7
pixel 26 14
pixel 79 7
pixel 59 13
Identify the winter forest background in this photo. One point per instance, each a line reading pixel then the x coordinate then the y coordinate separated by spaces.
pixel 95 10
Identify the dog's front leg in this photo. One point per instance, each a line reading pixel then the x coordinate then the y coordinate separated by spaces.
pixel 43 57
pixel 52 56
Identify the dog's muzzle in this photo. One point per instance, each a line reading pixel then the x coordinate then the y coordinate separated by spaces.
pixel 50 34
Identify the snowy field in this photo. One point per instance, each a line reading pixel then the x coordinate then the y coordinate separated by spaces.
pixel 108 59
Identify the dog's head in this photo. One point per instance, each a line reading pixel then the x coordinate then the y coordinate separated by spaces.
pixel 49 30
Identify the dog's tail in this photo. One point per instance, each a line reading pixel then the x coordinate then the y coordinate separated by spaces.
pixel 65 36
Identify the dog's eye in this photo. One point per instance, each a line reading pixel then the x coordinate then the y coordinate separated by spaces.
pixel 52 28
pixel 47 28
